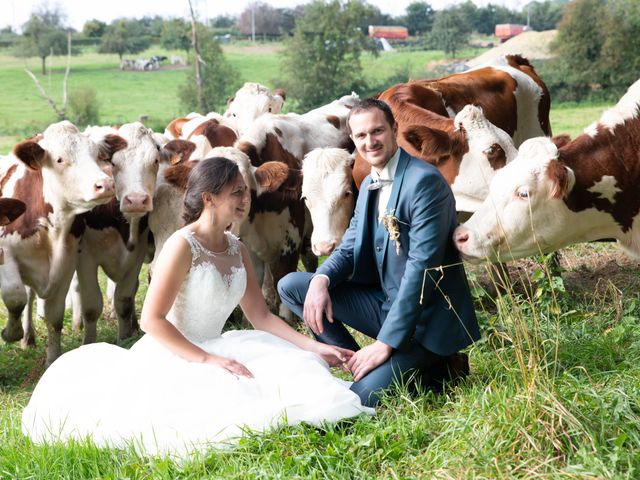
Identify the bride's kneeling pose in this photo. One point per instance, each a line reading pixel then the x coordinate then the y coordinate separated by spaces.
pixel 185 386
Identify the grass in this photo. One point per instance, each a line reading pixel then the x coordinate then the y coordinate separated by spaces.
pixel 554 390
pixel 554 393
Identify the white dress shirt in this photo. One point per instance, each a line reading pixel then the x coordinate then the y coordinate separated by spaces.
pixel 387 173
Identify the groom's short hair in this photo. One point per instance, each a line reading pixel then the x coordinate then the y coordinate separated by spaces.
pixel 371 104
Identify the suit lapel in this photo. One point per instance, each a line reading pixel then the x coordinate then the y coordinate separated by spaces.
pixel 398 178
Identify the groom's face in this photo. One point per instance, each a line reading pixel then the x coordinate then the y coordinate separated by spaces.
pixel 374 138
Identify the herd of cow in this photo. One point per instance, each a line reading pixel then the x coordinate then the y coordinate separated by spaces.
pixel 110 197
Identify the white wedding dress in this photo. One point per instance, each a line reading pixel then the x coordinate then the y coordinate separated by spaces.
pixel 158 402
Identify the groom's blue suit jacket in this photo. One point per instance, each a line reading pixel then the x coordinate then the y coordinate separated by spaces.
pixel 422 300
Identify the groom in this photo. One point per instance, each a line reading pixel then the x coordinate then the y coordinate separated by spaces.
pixel 410 294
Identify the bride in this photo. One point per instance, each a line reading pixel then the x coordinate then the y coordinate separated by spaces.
pixel 185 386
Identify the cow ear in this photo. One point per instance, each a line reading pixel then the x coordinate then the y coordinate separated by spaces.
pixel 177 151
pixel 30 153
pixel 279 92
pixel 562 178
pixel 561 140
pixel 434 145
pixel 178 174
pixel 496 156
pixel 109 145
pixel 270 176
pixel 10 209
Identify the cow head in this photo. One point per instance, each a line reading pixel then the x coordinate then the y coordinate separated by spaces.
pixel 524 212
pixel 469 156
pixel 69 164
pixel 327 189
pixel 251 101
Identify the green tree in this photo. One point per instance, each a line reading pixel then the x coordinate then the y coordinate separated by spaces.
pixel 544 15
pixel 124 36
pixel 450 31
pixel 619 62
pixel 94 28
pixel 321 62
pixel 220 80
pixel 419 18
pixel 176 35
pixel 43 34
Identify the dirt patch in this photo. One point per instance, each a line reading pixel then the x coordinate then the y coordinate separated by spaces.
pixel 586 269
pixel 531 45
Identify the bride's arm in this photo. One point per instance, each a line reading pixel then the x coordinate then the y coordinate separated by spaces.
pixel 170 271
pixel 255 309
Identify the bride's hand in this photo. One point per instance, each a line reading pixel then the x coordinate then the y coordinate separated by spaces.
pixel 230 365
pixel 334 356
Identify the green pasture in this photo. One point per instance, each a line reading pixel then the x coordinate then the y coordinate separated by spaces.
pixel 554 389
pixel 125 96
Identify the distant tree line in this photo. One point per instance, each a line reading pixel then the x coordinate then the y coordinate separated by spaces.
pixel 597 47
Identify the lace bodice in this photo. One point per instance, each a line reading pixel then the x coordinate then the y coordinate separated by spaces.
pixel 213 287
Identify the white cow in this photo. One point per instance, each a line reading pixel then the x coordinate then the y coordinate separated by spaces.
pixel 551 197
pixel 251 101
pixel 58 176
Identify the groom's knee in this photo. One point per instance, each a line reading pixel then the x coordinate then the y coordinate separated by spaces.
pixel 293 287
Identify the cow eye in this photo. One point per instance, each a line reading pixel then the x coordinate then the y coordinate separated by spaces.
pixel 269 109
pixel 59 160
pixel 347 194
pixel 523 194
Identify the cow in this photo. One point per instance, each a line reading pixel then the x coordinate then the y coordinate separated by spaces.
pixel 279 223
pixel 58 176
pixel 513 99
pixel 550 197
pixel 329 194
pixel 116 235
pixel 251 101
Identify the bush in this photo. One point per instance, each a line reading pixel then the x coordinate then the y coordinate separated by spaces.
pixel 84 107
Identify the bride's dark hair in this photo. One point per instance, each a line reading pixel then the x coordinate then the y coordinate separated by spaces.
pixel 209 175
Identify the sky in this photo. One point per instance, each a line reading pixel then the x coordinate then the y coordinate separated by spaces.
pixel 16 12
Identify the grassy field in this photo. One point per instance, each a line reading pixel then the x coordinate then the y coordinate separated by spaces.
pixel 125 96
pixel 554 390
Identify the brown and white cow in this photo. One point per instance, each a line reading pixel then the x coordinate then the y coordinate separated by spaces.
pixel 329 194
pixel 513 99
pixel 278 223
pixel 116 235
pixel 551 197
pixel 58 176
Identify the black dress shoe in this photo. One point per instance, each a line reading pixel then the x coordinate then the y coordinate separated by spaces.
pixel 458 366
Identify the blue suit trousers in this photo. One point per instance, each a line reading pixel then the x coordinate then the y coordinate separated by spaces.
pixel 361 307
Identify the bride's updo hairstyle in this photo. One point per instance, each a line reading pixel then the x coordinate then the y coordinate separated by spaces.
pixel 210 175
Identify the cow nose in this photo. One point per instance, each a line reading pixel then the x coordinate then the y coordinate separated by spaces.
pixel 136 202
pixel 461 235
pixel 104 187
pixel 325 248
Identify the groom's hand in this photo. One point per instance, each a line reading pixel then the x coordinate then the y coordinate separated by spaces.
pixel 316 303
pixel 368 358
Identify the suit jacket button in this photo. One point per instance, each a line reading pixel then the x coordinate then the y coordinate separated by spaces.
pixel 378 249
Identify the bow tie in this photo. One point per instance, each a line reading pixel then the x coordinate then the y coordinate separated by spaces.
pixel 381 182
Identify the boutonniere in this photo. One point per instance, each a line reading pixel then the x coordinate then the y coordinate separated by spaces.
pixel 391 223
